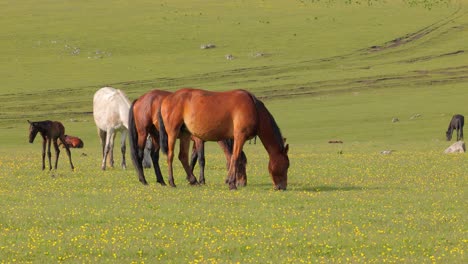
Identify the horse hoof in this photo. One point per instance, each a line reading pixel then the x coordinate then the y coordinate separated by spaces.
pixel 232 187
pixel 194 183
pixel 144 182
pixel 172 184
pixel 241 184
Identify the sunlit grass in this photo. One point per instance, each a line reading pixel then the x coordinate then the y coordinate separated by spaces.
pixel 345 203
pixel 406 207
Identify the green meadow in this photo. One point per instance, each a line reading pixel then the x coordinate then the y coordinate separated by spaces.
pixel 326 70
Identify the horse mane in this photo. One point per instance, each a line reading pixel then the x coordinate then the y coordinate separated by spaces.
pixel 276 130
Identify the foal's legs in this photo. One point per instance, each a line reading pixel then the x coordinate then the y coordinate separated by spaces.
pixel 62 138
pixel 49 154
pixel 57 150
pixel 44 142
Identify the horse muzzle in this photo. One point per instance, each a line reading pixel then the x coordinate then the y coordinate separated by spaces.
pixel 280 187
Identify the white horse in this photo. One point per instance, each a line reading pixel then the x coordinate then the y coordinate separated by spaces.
pixel 110 110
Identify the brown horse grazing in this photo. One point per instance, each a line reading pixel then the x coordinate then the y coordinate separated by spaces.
pixel 143 122
pixel 214 116
pixel 50 132
pixel 72 142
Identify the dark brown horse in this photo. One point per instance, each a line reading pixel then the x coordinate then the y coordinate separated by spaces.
pixel 456 123
pixel 214 116
pixel 143 122
pixel 50 132
pixel 72 142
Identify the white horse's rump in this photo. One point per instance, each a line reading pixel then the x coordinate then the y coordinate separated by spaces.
pixel 110 110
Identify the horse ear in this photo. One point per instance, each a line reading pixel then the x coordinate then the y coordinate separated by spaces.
pixel 29 122
pixel 286 149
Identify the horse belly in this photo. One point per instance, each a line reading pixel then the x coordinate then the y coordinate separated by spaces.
pixel 210 129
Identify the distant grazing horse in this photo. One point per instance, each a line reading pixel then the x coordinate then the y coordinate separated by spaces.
pixel 143 121
pixel 71 142
pixel 457 123
pixel 214 116
pixel 50 132
pixel 110 110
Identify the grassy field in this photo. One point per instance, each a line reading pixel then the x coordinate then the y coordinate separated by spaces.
pixel 327 70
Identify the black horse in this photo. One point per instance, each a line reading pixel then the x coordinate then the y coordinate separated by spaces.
pixel 50 132
pixel 457 123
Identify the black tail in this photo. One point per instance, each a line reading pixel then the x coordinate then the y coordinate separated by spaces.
pixel 133 139
pixel 162 134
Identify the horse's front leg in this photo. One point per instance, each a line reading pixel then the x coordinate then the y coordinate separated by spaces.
pixel 234 169
pixel 183 157
pixel 241 174
pixel 123 148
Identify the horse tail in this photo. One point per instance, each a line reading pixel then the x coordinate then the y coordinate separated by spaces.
pixel 133 137
pixel 162 134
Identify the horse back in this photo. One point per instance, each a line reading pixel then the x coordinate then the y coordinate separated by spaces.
pixel 110 108
pixel 212 116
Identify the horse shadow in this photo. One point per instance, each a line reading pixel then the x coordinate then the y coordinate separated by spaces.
pixel 322 188
pixel 330 188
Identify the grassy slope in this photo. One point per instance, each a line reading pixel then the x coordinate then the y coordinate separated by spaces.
pixel 358 206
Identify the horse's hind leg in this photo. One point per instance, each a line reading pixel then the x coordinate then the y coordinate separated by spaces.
pixel 111 148
pixel 200 149
pixel 68 153
pixel 157 169
pixel 193 157
pixel 49 154
pixel 241 176
pixel 183 157
pixel 107 148
pixel 102 138
pixel 44 142
pixel 123 148
pixel 57 150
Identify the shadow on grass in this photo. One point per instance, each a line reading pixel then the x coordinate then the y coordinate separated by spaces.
pixel 328 188
pixel 322 188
